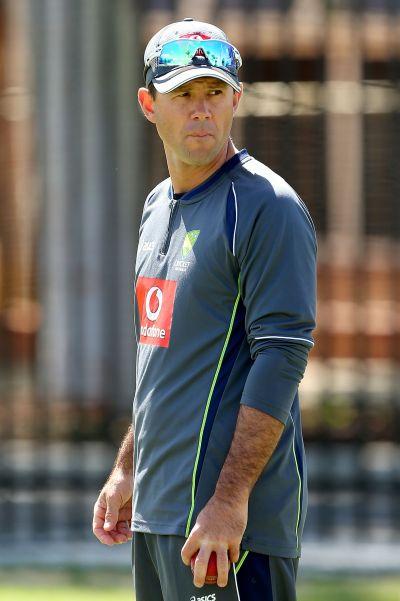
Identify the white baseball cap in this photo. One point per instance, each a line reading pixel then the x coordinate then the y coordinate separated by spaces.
pixel 188 50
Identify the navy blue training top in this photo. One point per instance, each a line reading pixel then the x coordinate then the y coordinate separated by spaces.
pixel 225 303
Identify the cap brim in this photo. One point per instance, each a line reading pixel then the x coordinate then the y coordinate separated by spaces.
pixel 174 79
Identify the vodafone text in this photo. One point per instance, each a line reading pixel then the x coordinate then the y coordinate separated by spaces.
pixel 152 331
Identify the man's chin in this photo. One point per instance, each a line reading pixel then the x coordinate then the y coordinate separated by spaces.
pixel 203 153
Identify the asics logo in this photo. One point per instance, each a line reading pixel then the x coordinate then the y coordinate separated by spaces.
pixel 147 246
pixel 212 597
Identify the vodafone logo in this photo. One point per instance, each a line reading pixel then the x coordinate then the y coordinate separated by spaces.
pixel 153 293
pixel 155 301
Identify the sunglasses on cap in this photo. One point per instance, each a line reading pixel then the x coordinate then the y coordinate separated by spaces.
pixel 189 52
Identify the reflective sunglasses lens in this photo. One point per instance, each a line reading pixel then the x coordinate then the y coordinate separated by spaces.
pixel 181 53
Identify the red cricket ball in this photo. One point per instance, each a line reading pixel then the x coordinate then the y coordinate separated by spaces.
pixel 212 574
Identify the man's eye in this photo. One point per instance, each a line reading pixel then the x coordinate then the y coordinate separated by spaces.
pixel 216 92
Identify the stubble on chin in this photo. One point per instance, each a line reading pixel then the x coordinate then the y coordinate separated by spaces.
pixel 200 157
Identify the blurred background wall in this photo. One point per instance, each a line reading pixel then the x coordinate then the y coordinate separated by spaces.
pixel 322 108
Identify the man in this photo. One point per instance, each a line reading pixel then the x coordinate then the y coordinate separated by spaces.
pixel 225 294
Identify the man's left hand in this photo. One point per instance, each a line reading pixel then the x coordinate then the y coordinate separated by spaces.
pixel 219 527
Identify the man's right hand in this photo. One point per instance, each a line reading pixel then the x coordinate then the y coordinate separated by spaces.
pixel 113 510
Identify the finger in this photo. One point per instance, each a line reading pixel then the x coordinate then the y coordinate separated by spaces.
pixel 124 518
pixel 100 505
pixel 125 513
pixel 222 567
pixel 111 515
pixel 113 537
pixel 119 538
pixel 98 521
pixel 103 537
pixel 201 565
pixel 123 527
pixel 98 516
pixel 125 532
pixel 189 549
pixel 234 553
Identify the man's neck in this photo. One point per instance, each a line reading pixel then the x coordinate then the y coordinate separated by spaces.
pixel 185 177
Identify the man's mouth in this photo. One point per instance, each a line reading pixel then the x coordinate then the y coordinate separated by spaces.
pixel 200 134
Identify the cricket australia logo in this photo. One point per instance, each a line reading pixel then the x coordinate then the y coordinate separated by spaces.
pixel 189 242
pixel 187 247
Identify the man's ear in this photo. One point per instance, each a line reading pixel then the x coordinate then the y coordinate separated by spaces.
pixel 146 102
pixel 236 98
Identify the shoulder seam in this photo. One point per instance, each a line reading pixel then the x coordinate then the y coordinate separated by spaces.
pixel 306 212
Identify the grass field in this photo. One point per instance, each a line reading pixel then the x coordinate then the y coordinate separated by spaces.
pixel 339 589
pixel 96 585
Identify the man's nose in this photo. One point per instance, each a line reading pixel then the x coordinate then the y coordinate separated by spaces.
pixel 201 109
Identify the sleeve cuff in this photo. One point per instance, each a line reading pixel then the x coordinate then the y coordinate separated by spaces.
pixel 273 380
pixel 261 405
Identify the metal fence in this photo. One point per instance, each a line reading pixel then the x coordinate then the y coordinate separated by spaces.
pixel 324 114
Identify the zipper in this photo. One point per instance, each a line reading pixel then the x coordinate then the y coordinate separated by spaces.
pixel 167 238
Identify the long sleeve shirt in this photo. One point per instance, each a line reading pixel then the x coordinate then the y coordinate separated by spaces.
pixel 225 304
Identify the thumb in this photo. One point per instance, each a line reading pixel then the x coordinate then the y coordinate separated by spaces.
pixel 111 516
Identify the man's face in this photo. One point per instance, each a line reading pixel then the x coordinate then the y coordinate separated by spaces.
pixel 194 121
